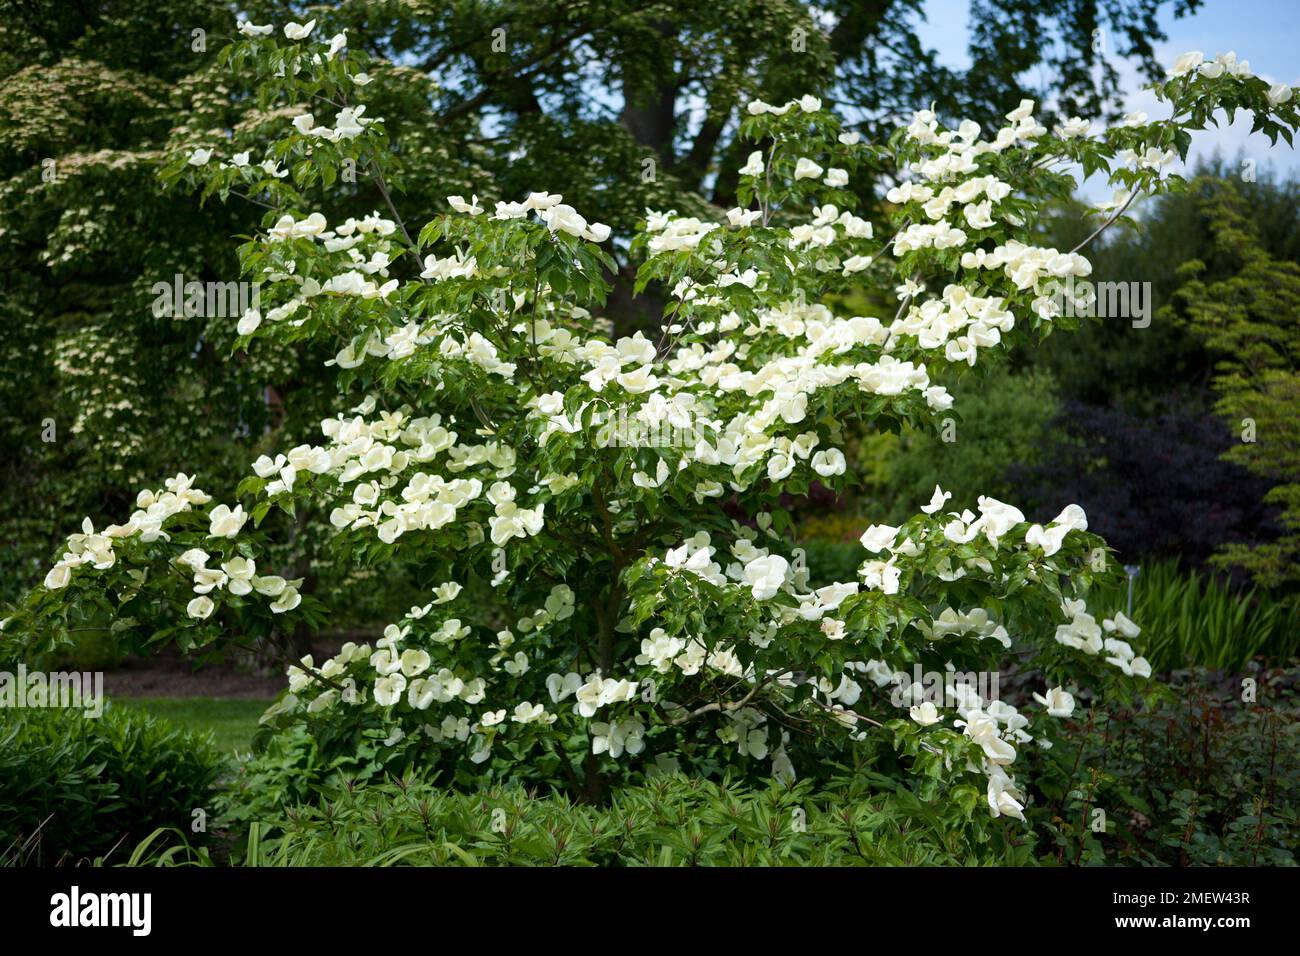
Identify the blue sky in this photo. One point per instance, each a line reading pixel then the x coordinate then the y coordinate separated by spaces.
pixel 1265 32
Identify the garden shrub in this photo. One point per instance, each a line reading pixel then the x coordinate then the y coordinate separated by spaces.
pixel 1163 366
pixel 1250 320
pixel 94 651
pixel 1196 776
pixel 289 768
pixel 484 437
pixel 1004 417
pixel 1152 486
pixel 73 788
pixel 1192 776
pixel 830 561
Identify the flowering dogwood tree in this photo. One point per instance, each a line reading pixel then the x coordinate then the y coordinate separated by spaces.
pixel 594 612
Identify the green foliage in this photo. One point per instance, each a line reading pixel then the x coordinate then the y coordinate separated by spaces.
pixel 291 767
pixel 830 560
pixel 1191 775
pixel 74 788
pixel 1166 364
pixel 998 419
pixel 95 650
pixel 1193 619
pixel 669 821
pixel 1195 776
pixel 96 387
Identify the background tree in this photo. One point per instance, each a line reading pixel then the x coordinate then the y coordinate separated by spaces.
pixel 91 381
pixel 1247 310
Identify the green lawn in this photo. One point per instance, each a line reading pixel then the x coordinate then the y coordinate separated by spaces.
pixel 232 721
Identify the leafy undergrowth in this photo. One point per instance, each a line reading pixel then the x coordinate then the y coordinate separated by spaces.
pixel 670 821
pixel 1208 775
pixel 76 788
pixel 1197 777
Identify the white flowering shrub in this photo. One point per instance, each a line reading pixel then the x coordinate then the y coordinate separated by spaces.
pixel 594 612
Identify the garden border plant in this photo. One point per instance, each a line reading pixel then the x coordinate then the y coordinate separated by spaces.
pixel 76 788
pixel 636 626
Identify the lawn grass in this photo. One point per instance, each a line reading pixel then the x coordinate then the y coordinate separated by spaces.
pixel 232 721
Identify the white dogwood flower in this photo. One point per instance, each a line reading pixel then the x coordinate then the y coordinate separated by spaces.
pixel 388 690
pixel 924 713
pixel 299 31
pixel 226 523
pixel 766 576
pixel 1059 702
pixel 807 169
pixel 200 608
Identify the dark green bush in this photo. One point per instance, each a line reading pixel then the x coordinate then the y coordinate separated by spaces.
pixel 96 650
pixel 74 788
pixel 830 561
pixel 1004 417
pixel 287 770
pixel 1198 777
